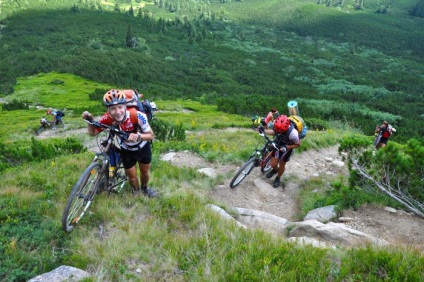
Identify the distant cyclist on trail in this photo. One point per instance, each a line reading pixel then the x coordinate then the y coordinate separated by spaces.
pixel 286 137
pixel 57 116
pixel 44 122
pixel 137 149
pixel 386 131
pixel 268 121
pixel 270 117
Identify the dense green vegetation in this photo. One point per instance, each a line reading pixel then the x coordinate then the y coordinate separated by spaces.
pixel 174 236
pixel 208 65
pixel 231 54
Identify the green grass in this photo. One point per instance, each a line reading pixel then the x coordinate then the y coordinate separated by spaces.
pixel 174 237
pixel 299 51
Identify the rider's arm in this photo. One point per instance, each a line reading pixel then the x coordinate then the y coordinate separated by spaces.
pixel 91 129
pixel 146 133
pixel 294 140
pixel 269 132
pixel 293 146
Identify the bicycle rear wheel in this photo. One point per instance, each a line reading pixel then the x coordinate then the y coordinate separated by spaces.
pixel 243 172
pixel 82 195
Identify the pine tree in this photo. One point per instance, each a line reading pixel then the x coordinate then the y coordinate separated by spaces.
pixel 397 170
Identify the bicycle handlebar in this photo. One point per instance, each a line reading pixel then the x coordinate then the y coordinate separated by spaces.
pixel 269 141
pixel 112 129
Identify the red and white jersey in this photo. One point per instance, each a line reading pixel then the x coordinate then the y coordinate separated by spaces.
pixel 128 126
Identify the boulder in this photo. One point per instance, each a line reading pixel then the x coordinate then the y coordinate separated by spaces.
pixel 62 273
pixel 323 214
pixel 262 220
pixel 331 232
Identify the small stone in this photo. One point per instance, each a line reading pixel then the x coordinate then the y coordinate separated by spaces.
pixel 346 219
pixel 390 210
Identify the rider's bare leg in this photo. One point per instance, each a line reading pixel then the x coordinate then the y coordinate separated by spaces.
pixel 144 174
pixel 132 177
pixel 281 168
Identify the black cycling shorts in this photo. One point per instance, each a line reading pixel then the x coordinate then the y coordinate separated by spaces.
pixel 284 156
pixel 143 155
pixel 384 140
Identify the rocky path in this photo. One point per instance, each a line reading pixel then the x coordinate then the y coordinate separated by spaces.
pixel 256 192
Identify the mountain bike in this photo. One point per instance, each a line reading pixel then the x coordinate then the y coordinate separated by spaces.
pixel 259 158
pixel 44 126
pixel 97 177
pixel 377 138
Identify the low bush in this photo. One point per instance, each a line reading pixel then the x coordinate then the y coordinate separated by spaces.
pixel 15 105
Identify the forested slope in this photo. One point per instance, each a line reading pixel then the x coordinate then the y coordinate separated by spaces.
pixel 341 62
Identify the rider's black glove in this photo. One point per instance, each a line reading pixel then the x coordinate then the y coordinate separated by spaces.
pixel 261 130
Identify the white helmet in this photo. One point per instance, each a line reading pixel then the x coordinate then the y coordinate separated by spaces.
pixel 153 104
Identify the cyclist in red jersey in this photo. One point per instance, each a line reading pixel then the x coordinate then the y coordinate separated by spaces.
pixel 386 131
pixel 137 148
pixel 270 117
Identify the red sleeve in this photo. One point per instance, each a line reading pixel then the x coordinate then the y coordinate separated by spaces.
pixel 105 119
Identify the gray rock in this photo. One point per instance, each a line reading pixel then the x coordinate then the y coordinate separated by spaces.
pixel 346 219
pixel 168 157
pixel 208 172
pixel 390 210
pixel 338 163
pixel 62 273
pixel 332 232
pixel 323 214
pixel 265 187
pixel 224 214
pixel 263 220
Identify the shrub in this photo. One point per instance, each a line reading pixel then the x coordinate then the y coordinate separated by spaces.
pixel 165 131
pixel 15 105
pixel 316 124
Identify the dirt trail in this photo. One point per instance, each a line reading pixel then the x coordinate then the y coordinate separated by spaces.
pixel 255 192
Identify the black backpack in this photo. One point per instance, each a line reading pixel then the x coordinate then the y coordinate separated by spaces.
pixel 146 108
pixel 60 114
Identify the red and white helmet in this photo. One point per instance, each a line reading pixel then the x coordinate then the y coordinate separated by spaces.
pixel 281 124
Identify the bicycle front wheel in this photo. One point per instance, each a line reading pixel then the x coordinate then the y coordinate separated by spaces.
pixel 266 163
pixel 82 196
pixel 243 172
pixel 39 130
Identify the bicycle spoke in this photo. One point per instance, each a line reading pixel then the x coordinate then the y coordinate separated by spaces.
pixel 81 196
pixel 243 172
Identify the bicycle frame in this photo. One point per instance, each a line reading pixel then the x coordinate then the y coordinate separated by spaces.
pixel 94 180
pixel 110 155
pixel 260 157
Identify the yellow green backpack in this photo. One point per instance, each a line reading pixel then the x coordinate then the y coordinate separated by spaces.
pixel 300 125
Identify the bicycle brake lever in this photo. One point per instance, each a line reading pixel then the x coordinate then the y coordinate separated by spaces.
pixel 124 135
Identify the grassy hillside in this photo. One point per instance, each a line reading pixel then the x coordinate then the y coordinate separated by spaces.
pixel 172 238
pixel 217 56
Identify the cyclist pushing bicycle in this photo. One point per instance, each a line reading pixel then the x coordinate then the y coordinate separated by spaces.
pixel 137 147
pixel 286 137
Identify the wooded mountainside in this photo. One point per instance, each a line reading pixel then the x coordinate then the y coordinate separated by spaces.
pixel 357 61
